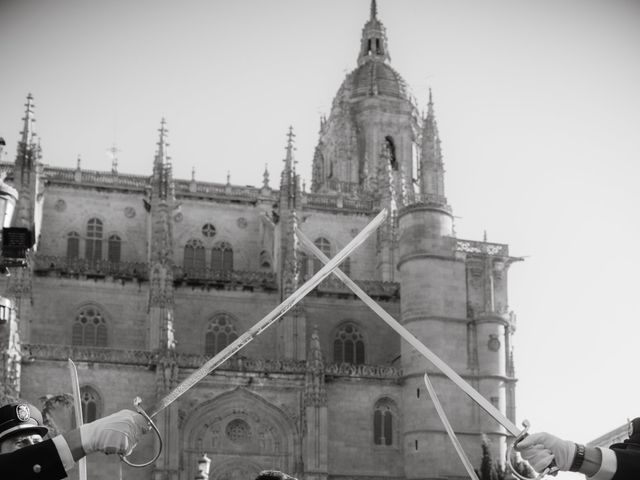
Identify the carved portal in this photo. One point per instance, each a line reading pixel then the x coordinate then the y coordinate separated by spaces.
pixel 244 429
pixel 239 469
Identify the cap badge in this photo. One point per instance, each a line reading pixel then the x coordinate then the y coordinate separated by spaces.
pixel 22 412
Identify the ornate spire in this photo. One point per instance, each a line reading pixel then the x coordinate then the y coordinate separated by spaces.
pixel 28 132
pixel 161 295
pixel 374 39
pixel 162 170
pixel 289 148
pixel 265 177
pixel 431 164
pixel 27 174
pixel 289 180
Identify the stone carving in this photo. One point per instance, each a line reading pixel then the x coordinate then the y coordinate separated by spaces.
pixel 161 286
pixel 315 393
pixel 215 438
pixel 493 343
pixel 363 371
pixel 60 205
pixel 129 212
pixel 178 217
pixel 32 352
pixel 147 358
pixel 242 222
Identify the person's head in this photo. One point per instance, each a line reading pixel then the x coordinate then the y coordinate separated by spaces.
pixel 634 430
pixel 274 475
pixel 20 426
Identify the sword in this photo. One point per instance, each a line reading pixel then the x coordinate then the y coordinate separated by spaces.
pixel 447 426
pixel 256 330
pixel 427 353
pixel 77 407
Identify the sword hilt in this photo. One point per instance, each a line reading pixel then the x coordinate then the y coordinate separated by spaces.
pixel 552 469
pixel 136 403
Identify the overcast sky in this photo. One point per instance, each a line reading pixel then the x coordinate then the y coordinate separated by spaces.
pixel 538 105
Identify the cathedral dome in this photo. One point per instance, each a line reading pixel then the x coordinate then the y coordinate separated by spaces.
pixel 377 78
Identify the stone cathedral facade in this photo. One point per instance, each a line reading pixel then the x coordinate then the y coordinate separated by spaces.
pixel 141 279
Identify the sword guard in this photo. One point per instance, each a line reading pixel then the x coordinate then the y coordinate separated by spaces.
pixel 552 469
pixel 136 403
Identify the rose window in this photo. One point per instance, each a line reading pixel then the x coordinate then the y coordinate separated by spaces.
pixel 238 431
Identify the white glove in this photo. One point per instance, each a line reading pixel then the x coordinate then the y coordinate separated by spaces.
pixel 540 449
pixel 116 433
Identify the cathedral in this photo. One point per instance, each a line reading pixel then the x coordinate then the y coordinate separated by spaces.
pixel 140 279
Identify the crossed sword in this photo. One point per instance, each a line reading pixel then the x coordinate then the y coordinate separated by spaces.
pixel 331 266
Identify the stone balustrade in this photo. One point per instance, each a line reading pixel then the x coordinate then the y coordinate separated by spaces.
pixel 243 364
pixel 229 279
pixel 378 290
pixel 64 266
pixel 33 352
pixel 363 371
pixel 484 248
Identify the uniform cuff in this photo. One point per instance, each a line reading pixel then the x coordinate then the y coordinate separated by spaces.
pixel 607 467
pixel 64 452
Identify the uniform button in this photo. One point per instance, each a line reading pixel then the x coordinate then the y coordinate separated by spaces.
pixel 37 468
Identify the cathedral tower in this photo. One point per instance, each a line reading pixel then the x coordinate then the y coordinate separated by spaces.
pixel 434 304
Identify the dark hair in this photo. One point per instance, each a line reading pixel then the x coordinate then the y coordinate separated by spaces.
pixel 273 475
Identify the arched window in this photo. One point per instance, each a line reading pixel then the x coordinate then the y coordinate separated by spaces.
pixel 391 152
pixel 91 404
pixel 89 328
pixel 325 247
pixel 220 333
pixel 384 417
pixel 114 248
pixel 222 257
pixel 348 346
pixel 73 245
pixel 193 256
pixel 93 250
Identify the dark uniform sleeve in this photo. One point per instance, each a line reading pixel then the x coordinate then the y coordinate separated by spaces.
pixel 628 464
pixel 35 462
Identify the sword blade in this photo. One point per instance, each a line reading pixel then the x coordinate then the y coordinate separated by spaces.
pixel 77 407
pixel 276 313
pixel 447 426
pixel 414 342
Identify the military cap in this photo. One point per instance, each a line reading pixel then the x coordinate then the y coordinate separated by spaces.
pixel 20 417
